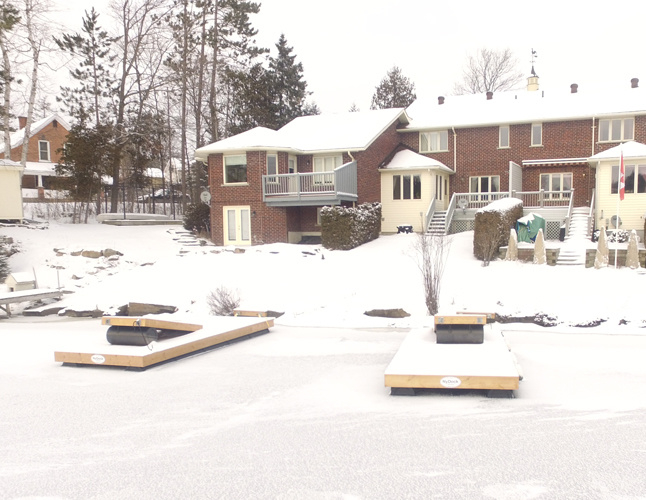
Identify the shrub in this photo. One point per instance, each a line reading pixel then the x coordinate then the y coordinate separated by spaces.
pixel 197 218
pixel 491 227
pixel 223 301
pixel 344 228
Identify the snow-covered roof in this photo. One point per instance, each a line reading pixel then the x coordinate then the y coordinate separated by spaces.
pixel 631 149
pixel 18 136
pixel 313 134
pixel 407 159
pixel 40 168
pixel 523 106
pixel 9 165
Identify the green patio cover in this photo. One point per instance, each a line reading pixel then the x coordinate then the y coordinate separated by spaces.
pixel 527 227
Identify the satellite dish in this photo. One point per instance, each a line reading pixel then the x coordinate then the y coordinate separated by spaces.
pixel 205 196
pixel 613 221
pixel 463 203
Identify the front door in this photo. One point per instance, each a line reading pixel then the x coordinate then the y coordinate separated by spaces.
pixel 237 225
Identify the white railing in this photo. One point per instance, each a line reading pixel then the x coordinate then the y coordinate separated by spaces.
pixel 542 198
pixel 429 215
pixel 477 200
pixel 342 181
pixel 449 214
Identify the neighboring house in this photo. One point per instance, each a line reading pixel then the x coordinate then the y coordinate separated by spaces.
pixel 632 209
pixel 47 136
pixel 431 165
pixel 10 195
pixel 530 143
pixel 269 186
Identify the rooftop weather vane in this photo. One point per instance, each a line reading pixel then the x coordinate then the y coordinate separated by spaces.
pixel 534 56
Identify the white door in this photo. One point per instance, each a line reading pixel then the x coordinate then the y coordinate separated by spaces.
pixel 237 225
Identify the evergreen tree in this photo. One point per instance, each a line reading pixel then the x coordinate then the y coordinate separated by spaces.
pixel 93 74
pixel 394 91
pixel 4 262
pixel 288 87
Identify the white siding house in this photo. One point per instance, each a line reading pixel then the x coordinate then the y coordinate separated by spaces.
pixel 10 191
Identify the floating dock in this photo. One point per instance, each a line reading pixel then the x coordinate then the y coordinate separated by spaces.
pixel 216 332
pixel 422 363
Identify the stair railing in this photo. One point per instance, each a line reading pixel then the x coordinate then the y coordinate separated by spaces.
pixel 449 214
pixel 591 215
pixel 429 215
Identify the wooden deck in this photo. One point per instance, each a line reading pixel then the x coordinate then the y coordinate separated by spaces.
pixel 422 363
pixel 215 333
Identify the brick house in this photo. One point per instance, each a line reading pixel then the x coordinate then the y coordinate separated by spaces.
pixel 47 136
pixel 432 165
pixel 268 186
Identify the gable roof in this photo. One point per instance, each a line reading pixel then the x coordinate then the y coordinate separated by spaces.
pixel 522 106
pixel 18 136
pixel 352 131
pixel 631 149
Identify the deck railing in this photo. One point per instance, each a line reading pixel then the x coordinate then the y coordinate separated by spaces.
pixel 542 198
pixel 477 200
pixel 340 182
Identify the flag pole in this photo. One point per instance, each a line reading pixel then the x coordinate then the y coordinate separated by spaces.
pixel 620 196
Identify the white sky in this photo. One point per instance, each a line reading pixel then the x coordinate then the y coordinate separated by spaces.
pixel 347 46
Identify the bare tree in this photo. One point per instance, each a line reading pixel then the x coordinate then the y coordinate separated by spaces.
pixel 432 251
pixel 489 71
pixel 9 17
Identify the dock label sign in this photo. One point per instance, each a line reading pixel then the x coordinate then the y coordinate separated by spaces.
pixel 450 382
pixel 98 359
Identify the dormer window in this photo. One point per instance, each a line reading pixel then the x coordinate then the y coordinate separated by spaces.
pixel 43 151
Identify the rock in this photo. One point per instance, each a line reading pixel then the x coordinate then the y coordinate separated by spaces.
pixel 109 252
pixel 90 254
pixel 387 313
pixel 76 253
pixel 239 250
pixel 96 313
pixel 139 309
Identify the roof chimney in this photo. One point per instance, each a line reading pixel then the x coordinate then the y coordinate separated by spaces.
pixel 634 83
pixel 489 95
pixel 22 122
pixel 440 99
pixel 574 88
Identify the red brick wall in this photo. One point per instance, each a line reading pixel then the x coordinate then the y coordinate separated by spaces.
pixel 56 137
pixel 368 162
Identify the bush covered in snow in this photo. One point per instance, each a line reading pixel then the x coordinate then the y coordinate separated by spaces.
pixel 612 236
pixel 491 227
pixel 345 228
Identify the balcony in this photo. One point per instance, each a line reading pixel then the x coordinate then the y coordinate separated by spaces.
pixel 311 188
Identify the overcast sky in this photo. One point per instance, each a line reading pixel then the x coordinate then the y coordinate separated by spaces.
pixel 347 46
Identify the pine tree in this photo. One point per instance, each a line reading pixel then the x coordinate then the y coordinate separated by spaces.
pixel 394 91
pixel 288 86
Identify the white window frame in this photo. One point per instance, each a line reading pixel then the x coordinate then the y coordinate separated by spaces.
pixel 617 129
pixel 326 165
pixel 292 164
pixel 537 130
pixel 433 142
pixel 562 193
pixel 40 151
pixel 482 195
pixel 272 176
pixel 504 136
pixel 408 182
pixel 224 169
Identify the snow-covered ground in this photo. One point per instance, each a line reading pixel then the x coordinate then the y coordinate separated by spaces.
pixel 302 412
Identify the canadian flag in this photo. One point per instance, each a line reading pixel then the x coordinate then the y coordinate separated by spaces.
pixel 622 177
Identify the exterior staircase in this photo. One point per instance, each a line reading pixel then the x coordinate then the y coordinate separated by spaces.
pixel 437 226
pixel 573 249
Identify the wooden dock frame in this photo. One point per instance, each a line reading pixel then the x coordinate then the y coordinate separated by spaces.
pixel 421 363
pixel 217 333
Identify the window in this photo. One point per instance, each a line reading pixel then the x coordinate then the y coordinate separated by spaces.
pixel 434 141
pixel 292 166
pixel 326 164
pixel 484 184
pixel 407 187
pixel 43 150
pixel 616 129
pixel 503 136
pixel 634 178
pixel 558 185
pixel 537 134
pixel 235 169
pixel 272 168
